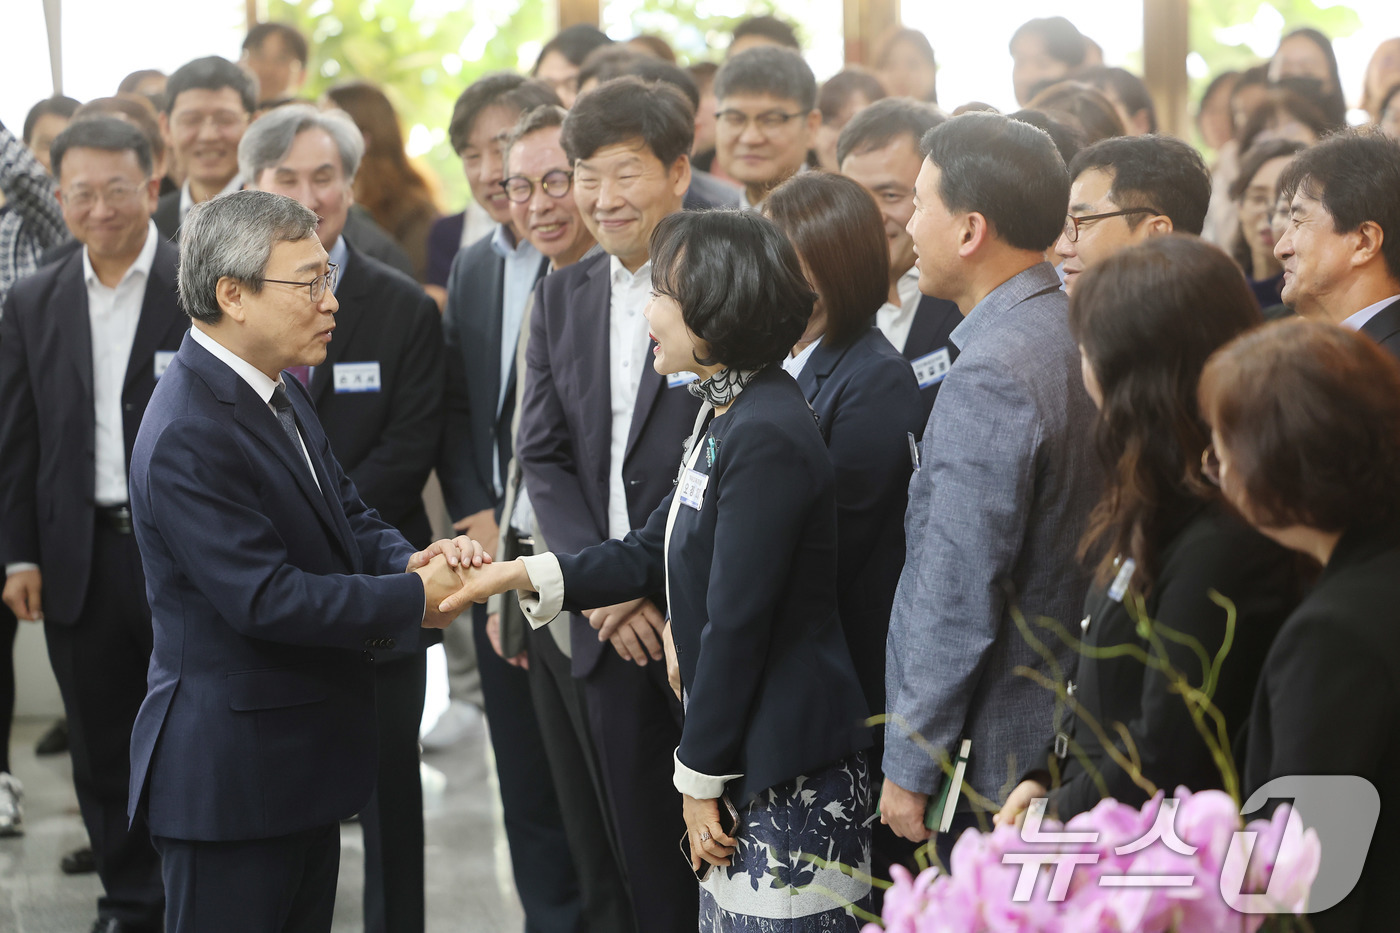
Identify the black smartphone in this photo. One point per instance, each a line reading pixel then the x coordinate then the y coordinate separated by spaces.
pixel 728 824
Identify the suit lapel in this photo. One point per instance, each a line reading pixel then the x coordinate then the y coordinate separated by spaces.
pixel 1384 324
pixel 156 322
pixel 590 319
pixel 820 365
pixel 329 491
pixel 70 315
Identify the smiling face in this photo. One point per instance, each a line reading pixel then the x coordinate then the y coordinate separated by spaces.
pixel 551 224
pixel 676 347
pixel 1317 260
pixel 889 173
pixel 623 191
pixel 311 173
pixel 482 161
pixel 204 128
pixel 762 140
pixel 107 201
pixel 936 234
pixel 280 326
pixel 1098 239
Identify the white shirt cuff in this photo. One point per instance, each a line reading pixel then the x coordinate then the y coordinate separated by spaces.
pixel 19 567
pixel 700 786
pixel 547 577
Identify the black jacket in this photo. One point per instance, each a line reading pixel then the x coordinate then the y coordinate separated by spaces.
pixel 929 347
pixel 1384 328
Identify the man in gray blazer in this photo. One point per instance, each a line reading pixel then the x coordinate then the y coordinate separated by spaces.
pixel 1008 477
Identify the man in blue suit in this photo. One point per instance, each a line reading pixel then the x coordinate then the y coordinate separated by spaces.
pixel 269 582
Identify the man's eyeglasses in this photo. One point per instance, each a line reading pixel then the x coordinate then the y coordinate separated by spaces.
pixel 768 121
pixel 1073 223
pixel 556 184
pixel 318 285
pixel 118 196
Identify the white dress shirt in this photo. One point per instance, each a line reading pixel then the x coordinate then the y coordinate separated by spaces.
pixel 628 341
pixel 476 224
pixel 113 314
pixel 187 199
pixel 256 379
pixel 793 365
pixel 1359 319
pixel 894 320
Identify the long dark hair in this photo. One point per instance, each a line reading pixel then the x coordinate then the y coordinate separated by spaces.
pixel 1147 319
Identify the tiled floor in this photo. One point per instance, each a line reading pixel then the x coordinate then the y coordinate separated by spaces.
pixel 469 885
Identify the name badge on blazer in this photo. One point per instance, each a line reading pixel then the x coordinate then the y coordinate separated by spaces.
pixel 692 489
pixel 356 377
pixel 675 380
pixel 932 367
pixel 163 358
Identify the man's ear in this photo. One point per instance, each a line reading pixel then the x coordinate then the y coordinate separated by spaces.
pixel 1159 225
pixel 814 123
pixel 974 230
pixel 1369 238
pixel 231 295
pixel 680 175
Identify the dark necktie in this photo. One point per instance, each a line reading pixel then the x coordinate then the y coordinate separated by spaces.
pixel 283 406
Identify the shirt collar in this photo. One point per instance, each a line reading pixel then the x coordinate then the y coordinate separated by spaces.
pixel 908 288
pixel 187 200
pixel 1359 319
pixel 256 378
pixel 623 279
pixel 1034 280
pixel 795 364
pixel 141 266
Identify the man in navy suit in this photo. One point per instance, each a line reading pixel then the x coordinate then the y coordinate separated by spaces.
pixel 269 582
pixel 599 441
pixel 378 396
pixel 879 149
pixel 82 345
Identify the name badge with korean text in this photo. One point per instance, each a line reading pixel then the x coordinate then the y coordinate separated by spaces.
pixel 1119 589
pixel 932 367
pixel 676 380
pixel 357 377
pixel 163 358
pixel 692 489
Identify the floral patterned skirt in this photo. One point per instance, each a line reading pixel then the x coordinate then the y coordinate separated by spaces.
pixel 793 838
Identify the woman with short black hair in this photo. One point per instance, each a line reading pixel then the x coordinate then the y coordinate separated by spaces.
pixel 771 761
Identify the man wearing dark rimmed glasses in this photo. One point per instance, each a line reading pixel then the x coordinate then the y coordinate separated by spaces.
pixel 766 120
pixel 1125 190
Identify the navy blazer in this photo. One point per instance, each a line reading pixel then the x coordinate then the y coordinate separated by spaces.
pixel 472 331
pixel 867 406
pixel 1384 328
pixel 47 426
pixel 930 348
pixel 771 692
pixel 386 440
pixel 564 444
pixel 266 594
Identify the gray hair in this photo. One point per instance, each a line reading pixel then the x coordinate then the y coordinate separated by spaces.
pixel 232 237
pixel 270 137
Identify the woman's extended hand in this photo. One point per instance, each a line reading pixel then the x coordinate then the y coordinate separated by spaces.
pixel 1014 810
pixel 481 583
pixel 707 841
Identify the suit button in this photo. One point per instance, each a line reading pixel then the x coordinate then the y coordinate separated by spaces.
pixel 388 643
pixel 369 643
pixel 128 407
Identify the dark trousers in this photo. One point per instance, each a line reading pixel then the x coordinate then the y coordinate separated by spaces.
pixel 9 626
pixel 100 664
pixel 539 848
pixel 635 721
pixel 559 707
pixel 393 819
pixel 282 885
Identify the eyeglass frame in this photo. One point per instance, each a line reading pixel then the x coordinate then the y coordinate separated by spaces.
pixel 329 279
pixel 543 181
pixel 78 201
pixel 722 116
pixel 1071 227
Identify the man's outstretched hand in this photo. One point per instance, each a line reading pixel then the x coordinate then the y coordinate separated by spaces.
pixel 440 580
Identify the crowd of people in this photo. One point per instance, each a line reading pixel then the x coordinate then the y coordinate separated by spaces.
pixel 772 421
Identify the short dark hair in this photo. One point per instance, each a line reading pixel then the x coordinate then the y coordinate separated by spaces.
pixel 656 46
pixel 501 89
pixel 1130 90
pixel 703 74
pixel 738 281
pixel 56 106
pixel 131 82
pixel 1068 139
pixel 779 72
pixel 842 86
pixel 211 73
pixel 107 133
pixel 574 43
pixel 630 108
pixel 1310 415
pixel 134 109
pixel 770 28
pixel 1007 171
pixel 1160 172
pixel 291 37
pixel 615 62
pixel 1063 40
pixel 1283 105
pixel 1355 175
pixel 885 121
pixel 839 232
pixel 1083 105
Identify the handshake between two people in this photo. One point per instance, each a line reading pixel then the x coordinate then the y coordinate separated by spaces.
pixel 457 572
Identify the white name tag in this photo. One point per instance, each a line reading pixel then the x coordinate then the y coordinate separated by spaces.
pixel 356 377
pixel 692 489
pixel 1119 589
pixel 931 368
pixel 163 358
pixel 680 379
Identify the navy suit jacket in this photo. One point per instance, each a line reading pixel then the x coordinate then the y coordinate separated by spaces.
pixel 930 346
pixel 47 425
pixel 564 444
pixel 1384 328
pixel 472 330
pixel 867 406
pixel 386 441
pixel 706 192
pixel 266 594
pixel 771 692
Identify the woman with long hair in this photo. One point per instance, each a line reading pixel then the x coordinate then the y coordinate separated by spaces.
pixel 1255 192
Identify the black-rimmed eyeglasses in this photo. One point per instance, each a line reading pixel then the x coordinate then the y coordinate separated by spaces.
pixel 520 189
pixel 1073 223
pixel 317 286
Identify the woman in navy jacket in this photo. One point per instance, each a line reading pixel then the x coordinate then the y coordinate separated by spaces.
pixel 745 549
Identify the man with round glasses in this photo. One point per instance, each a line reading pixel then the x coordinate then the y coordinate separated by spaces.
pixel 1127 189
